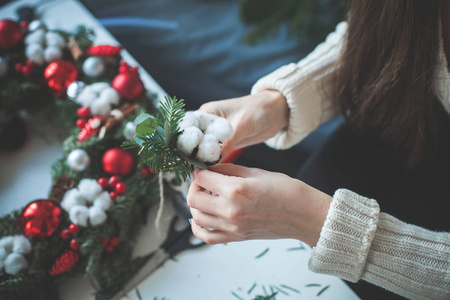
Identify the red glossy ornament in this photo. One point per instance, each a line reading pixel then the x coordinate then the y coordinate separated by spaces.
pixel 65 234
pixel 104 241
pixel 73 228
pixel 129 84
pixel 84 112
pixel 74 245
pixel 58 75
pixel 10 34
pixel 80 123
pixel 114 241
pixel 103 182
pixel 113 180
pixel 145 172
pixel 41 218
pixel 109 248
pixel 113 196
pixel 118 161
pixel 120 188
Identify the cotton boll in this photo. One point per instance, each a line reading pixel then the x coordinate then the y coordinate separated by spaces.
pixel 110 94
pixel 21 245
pixel 89 188
pixel 204 119
pixel 7 242
pixel 14 263
pixel 103 201
pixel 209 149
pixel 55 39
pixel 36 37
pixel 71 198
pixel 52 53
pixel 189 120
pixel 100 107
pixel 98 87
pixel 35 53
pixel 189 139
pixel 96 216
pixel 221 128
pixel 79 215
pixel 86 97
pixel 3 254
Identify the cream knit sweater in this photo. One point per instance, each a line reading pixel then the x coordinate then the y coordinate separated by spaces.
pixel 358 241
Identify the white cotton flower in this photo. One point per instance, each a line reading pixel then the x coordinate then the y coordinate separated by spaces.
pixel 71 198
pixel 52 53
pixel 35 53
pixel 21 244
pixel 35 37
pixel 55 39
pixel 189 139
pixel 79 215
pixel 189 120
pixel 209 149
pixel 100 107
pixel 221 128
pixel 96 215
pixel 103 201
pixel 111 94
pixel 14 263
pixel 87 203
pixel 3 254
pixel 204 119
pixel 89 189
pixel 7 242
pixel 99 97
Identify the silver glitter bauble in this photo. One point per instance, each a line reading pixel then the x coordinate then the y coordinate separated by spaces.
pixel 74 89
pixel 93 66
pixel 129 131
pixel 78 160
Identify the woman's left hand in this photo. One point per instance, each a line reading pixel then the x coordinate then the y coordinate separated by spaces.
pixel 248 203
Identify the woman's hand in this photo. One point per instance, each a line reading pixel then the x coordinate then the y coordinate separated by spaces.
pixel 248 203
pixel 254 118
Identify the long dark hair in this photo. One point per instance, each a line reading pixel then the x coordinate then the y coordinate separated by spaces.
pixel 385 74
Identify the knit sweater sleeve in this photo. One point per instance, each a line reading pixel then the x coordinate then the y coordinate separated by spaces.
pixel 358 242
pixel 306 86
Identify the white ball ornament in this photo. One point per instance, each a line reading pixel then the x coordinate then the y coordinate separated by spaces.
pixel 74 89
pixel 3 67
pixel 93 66
pixel 36 25
pixel 78 160
pixel 129 131
pixel 14 263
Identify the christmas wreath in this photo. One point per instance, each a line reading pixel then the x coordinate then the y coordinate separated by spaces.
pixel 102 189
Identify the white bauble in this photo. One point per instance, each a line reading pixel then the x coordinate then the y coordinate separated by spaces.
pixel 129 131
pixel 78 160
pixel 93 66
pixel 36 25
pixel 74 89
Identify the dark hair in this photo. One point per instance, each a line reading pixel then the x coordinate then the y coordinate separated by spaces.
pixel 385 74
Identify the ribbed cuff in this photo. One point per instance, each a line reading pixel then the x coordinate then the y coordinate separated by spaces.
pixel 346 236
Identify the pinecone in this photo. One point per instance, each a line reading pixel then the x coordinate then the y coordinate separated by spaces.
pixel 60 187
pixel 64 263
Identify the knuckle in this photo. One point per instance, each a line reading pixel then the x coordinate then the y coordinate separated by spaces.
pixel 235 214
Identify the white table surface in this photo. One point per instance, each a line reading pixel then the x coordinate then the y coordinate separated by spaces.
pixel 211 272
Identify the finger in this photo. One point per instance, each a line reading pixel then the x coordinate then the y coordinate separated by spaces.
pixel 232 170
pixel 197 198
pixel 207 220
pixel 212 237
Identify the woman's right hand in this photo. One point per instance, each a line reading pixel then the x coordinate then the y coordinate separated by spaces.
pixel 255 118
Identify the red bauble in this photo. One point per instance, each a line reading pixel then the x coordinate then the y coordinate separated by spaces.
pixel 120 188
pixel 10 34
pixel 104 50
pixel 58 75
pixel 73 228
pixel 129 85
pixel 41 218
pixel 118 161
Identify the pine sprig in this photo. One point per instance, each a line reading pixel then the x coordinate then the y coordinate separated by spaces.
pixel 158 140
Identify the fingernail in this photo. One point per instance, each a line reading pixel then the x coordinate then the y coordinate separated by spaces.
pixel 190 221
